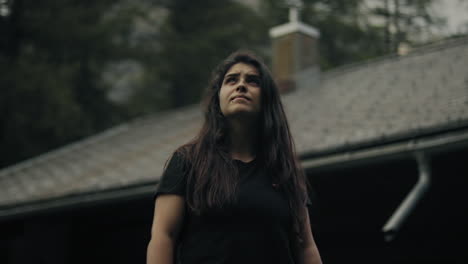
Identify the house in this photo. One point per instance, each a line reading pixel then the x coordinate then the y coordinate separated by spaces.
pixel 384 143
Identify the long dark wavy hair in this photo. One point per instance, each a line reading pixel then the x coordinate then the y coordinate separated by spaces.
pixel 212 175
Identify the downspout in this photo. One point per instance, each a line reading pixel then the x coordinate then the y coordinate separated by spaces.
pixel 395 222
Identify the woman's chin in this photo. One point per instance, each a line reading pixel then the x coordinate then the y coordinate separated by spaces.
pixel 242 112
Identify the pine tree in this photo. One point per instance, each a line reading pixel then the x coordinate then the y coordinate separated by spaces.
pixel 51 56
pixel 197 36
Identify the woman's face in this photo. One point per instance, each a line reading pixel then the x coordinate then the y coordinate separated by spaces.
pixel 240 92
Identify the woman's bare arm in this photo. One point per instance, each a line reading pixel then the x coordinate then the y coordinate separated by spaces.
pixel 167 222
pixel 311 254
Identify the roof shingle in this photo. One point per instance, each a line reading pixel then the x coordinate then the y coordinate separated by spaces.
pixel 373 102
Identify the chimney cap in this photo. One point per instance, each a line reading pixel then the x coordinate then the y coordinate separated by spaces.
pixel 292 27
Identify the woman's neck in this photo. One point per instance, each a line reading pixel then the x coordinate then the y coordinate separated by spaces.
pixel 243 140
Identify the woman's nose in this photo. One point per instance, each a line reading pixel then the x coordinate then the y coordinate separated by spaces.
pixel 241 86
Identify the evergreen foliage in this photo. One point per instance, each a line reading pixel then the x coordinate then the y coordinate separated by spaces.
pixel 51 55
pixel 406 21
pixel 199 34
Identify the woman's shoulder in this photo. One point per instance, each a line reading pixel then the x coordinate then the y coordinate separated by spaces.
pixel 180 159
pixel 174 177
pixel 182 155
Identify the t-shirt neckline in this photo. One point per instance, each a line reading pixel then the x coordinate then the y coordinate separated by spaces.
pixel 243 162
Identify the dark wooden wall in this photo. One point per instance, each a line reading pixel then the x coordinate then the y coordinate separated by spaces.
pixel 105 233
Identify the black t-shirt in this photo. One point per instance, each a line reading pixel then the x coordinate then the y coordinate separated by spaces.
pixel 254 229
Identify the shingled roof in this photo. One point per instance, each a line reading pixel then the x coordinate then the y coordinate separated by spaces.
pixel 371 103
pixel 387 99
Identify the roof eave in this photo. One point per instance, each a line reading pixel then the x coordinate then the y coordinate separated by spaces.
pixel 350 155
pixel 82 200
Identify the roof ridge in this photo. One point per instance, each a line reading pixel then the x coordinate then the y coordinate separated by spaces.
pixel 415 51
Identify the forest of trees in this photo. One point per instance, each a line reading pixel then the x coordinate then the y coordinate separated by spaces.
pixel 72 68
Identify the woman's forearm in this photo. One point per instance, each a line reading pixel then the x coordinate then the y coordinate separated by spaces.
pixel 312 255
pixel 160 250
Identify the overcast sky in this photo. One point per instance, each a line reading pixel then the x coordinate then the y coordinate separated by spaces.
pixel 456 12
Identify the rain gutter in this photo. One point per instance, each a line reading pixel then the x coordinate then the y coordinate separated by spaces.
pixel 402 149
pixel 420 149
pixel 395 222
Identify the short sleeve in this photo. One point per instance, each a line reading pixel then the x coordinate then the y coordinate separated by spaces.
pixel 174 178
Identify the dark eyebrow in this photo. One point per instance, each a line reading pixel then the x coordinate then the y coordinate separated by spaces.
pixel 253 76
pixel 250 76
pixel 231 74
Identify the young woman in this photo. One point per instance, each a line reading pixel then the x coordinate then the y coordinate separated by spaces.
pixel 236 193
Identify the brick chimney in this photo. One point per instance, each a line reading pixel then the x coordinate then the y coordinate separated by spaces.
pixel 295 51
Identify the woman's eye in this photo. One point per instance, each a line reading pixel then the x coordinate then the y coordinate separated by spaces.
pixel 230 80
pixel 254 81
